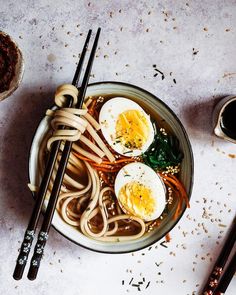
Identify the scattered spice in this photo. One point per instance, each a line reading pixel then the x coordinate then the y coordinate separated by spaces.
pixel 168 238
pixel 162 74
pixel 131 281
pixel 163 244
pixel 195 51
pixel 148 284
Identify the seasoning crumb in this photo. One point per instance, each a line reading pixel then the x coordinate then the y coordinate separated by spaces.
pixel 148 285
pixel 195 51
pixel 163 244
pixel 227 30
pixel 205 29
pixel 174 81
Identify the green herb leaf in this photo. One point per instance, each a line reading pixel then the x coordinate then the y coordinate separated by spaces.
pixel 163 152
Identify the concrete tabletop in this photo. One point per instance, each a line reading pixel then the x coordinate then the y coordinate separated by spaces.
pixel 194 44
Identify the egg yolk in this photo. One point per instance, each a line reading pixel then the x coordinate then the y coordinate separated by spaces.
pixel 137 199
pixel 132 129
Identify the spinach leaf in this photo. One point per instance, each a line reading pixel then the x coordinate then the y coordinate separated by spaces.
pixel 163 152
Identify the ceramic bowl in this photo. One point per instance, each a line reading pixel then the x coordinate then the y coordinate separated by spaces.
pixel 18 72
pixel 154 103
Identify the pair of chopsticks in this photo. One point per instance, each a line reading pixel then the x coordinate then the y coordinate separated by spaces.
pixel 46 224
pixel 218 283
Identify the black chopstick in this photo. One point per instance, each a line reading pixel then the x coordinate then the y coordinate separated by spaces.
pixel 30 231
pixel 43 234
pixel 221 261
pixel 227 277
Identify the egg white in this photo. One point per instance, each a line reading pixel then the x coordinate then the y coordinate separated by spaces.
pixel 108 117
pixel 147 176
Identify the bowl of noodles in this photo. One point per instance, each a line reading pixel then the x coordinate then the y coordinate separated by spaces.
pixel 130 173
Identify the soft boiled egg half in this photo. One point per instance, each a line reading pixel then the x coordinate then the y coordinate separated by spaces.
pixel 126 127
pixel 140 191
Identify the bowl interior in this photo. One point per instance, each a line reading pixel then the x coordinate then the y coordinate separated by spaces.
pixel 153 104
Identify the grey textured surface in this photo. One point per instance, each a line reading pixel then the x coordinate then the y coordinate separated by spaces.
pixel 193 42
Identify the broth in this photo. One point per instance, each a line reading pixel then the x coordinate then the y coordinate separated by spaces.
pixel 87 199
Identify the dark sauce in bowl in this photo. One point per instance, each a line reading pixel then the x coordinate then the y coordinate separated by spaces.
pixel 8 61
pixel 228 120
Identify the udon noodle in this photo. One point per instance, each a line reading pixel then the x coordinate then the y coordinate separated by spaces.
pixel 87 200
